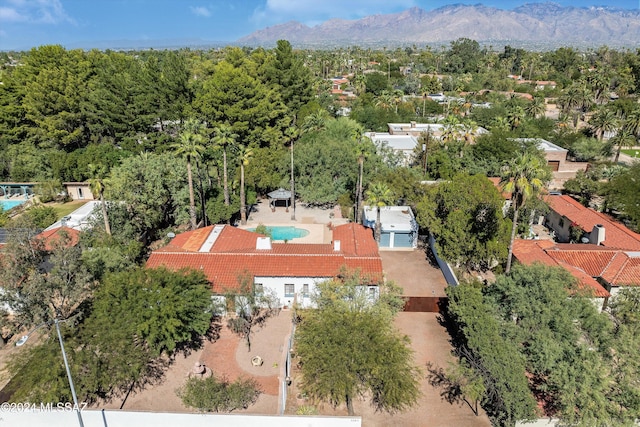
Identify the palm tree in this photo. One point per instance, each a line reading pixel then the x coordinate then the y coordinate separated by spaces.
pixel 316 121
pixel 523 177
pixel 360 83
pixel 97 184
pixel 500 123
pixel 603 121
pixel 632 122
pixel 515 116
pixel 224 137
pixel 535 107
pixel 624 138
pixel 245 156
pixel 378 195
pixel 292 134
pixel 385 100
pixel 190 146
pixel 469 131
pixel 362 152
pixel 578 98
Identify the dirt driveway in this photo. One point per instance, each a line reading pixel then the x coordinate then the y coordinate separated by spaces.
pixel 430 342
pixel 411 271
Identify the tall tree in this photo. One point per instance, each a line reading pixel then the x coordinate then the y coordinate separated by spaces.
pixel 363 149
pixel 292 79
pixel 465 217
pixel 378 195
pixel 292 134
pixel 479 343
pixel 224 138
pixel 42 280
pixel 154 190
pixel 190 146
pixel 603 121
pixel 622 194
pixel 348 347
pixel 623 138
pixel 97 182
pixel 245 157
pixel 523 177
pixel 535 107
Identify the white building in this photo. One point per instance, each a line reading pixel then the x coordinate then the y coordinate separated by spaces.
pixel 399 227
pixel 228 255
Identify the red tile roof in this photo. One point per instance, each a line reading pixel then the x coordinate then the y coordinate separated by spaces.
pixel 49 237
pixel 616 234
pixel 542 251
pixel 617 267
pixel 234 253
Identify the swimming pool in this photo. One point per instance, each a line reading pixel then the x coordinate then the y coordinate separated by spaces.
pixel 285 232
pixel 10 204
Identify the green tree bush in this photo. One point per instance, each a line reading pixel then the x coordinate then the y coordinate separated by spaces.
pixel 219 394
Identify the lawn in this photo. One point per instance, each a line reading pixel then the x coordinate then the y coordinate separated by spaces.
pixel 64 209
pixel 631 152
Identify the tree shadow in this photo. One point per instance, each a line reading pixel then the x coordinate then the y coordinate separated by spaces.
pixel 197 341
pixel 450 390
pixel 155 375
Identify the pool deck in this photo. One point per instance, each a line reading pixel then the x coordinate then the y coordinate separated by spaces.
pixel 315 220
pixel 318 233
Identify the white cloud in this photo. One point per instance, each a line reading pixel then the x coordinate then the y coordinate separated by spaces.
pixel 200 11
pixel 8 14
pixel 314 11
pixel 35 11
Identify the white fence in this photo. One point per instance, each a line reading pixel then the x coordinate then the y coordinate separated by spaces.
pixel 69 418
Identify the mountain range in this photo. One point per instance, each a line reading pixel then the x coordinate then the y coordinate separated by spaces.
pixel 535 24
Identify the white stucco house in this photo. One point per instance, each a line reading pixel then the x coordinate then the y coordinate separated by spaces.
pixel 227 255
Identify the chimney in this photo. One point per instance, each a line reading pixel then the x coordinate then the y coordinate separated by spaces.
pixel 336 245
pixel 263 243
pixel 597 235
pixel 413 124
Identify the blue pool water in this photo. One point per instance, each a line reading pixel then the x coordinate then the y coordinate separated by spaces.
pixel 285 232
pixel 9 204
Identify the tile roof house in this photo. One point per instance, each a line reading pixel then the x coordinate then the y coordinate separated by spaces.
pixel 599 228
pixel 225 253
pixel 49 237
pixel 608 258
pixel 600 270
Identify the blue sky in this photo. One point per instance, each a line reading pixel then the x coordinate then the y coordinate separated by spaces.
pixel 29 23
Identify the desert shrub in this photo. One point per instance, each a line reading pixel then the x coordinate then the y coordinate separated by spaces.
pixel 219 394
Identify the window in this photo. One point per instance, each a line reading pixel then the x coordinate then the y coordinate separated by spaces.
pixel 289 290
pixel 305 290
pixel 258 289
pixel 372 293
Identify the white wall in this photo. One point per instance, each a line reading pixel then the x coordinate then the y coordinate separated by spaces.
pixel 276 284
pixel 114 418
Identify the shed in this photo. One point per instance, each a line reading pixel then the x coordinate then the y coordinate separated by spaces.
pixel 399 227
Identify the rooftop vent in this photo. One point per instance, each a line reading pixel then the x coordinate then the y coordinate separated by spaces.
pixel 597 235
pixel 263 243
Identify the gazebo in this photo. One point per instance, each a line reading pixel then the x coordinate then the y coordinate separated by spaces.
pixel 279 194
